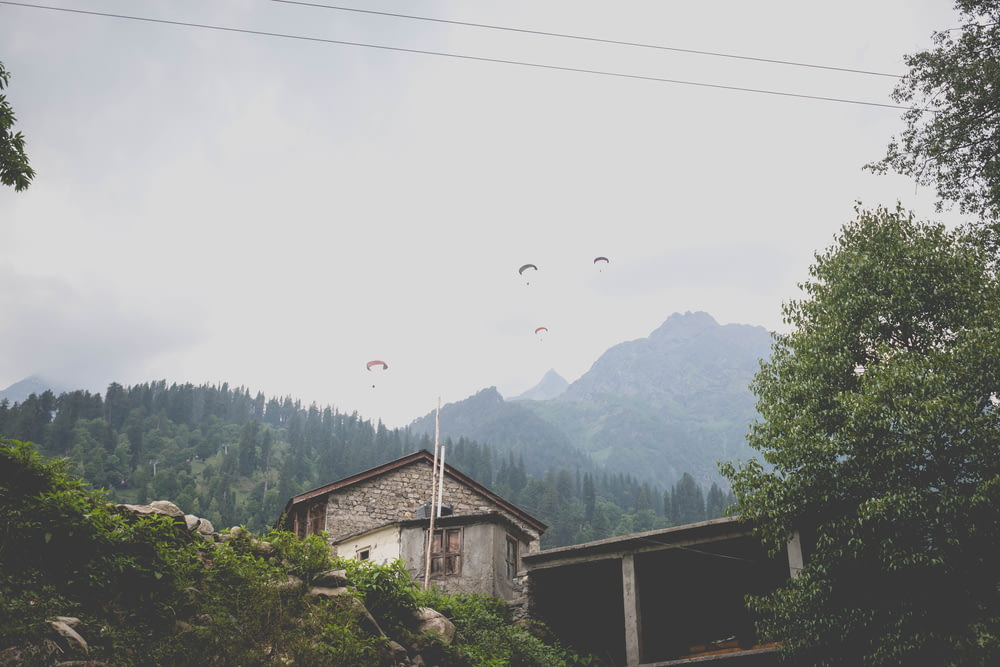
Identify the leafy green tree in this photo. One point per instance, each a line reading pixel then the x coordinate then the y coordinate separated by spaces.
pixel 14 168
pixel 879 419
pixel 953 91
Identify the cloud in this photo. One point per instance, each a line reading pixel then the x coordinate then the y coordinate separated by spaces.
pixel 84 335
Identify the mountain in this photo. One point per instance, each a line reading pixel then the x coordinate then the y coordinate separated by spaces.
pixel 550 386
pixel 677 401
pixel 514 428
pixel 17 392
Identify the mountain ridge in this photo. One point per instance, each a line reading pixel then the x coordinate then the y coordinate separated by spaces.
pixel 675 401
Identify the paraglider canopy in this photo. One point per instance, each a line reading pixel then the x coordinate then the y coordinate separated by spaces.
pixel 601 260
pixel 525 267
pixel 376 365
pixel 541 329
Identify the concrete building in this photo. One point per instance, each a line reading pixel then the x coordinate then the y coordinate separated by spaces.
pixel 666 597
pixel 382 514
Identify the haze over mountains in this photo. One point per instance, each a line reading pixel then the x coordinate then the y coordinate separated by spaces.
pixel 677 401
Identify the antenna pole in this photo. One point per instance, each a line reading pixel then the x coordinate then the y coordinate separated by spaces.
pixel 434 476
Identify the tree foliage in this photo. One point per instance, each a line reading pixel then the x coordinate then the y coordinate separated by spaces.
pixel 879 422
pixel 951 140
pixel 14 168
pixel 234 458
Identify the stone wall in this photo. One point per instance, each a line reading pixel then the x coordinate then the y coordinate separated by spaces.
pixel 397 495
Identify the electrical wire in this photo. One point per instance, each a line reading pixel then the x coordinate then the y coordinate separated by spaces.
pixel 460 56
pixel 585 38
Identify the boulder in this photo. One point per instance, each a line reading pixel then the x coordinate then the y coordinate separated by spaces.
pixel 71 638
pixel 331 579
pixel 327 593
pixel 430 620
pixel 163 507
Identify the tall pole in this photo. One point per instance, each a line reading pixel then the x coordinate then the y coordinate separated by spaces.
pixel 430 529
pixel 441 479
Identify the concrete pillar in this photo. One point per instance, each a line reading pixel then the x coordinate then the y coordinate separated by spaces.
pixel 633 616
pixel 795 561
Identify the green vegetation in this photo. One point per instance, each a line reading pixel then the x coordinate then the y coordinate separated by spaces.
pixel 14 168
pixel 950 141
pixel 148 591
pixel 236 458
pixel 879 415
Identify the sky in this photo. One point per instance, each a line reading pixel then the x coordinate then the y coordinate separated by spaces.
pixel 272 194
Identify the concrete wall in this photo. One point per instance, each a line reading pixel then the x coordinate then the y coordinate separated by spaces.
pixel 483 559
pixel 383 543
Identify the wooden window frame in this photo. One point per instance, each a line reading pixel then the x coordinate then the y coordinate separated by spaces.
pixel 446 552
pixel 511 554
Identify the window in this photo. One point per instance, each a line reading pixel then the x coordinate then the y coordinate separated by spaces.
pixel 317 517
pixel 446 552
pixel 364 554
pixel 511 557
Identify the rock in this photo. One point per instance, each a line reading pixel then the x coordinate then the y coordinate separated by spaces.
pixel 291 584
pixel 367 621
pixel 163 507
pixel 331 579
pixel 234 533
pixel 327 593
pixel 70 637
pixel 429 620
pixel 400 656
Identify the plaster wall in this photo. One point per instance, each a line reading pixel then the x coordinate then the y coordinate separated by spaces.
pixel 483 565
pixel 383 545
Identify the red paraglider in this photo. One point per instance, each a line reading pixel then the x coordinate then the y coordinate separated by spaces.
pixel 378 366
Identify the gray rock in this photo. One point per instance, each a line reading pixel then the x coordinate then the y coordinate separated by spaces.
pixel 430 620
pixel 331 579
pixel 70 637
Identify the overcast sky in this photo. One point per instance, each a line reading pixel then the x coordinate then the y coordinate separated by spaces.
pixel 221 206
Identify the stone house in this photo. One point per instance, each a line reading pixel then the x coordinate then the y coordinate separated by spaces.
pixel 383 513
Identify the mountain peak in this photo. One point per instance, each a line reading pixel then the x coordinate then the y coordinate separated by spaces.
pixel 685 324
pixel 21 390
pixel 550 386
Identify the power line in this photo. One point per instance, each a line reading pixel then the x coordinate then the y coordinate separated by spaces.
pixel 460 56
pixel 588 39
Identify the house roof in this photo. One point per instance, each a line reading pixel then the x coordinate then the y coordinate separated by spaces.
pixel 419 456
pixel 655 540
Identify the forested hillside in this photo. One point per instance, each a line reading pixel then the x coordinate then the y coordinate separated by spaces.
pixel 676 401
pixel 235 457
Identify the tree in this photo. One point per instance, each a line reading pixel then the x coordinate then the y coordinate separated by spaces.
pixel 687 501
pixel 953 90
pixel 14 168
pixel 879 419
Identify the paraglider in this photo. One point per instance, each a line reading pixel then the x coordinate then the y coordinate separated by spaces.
pixel 599 262
pixel 377 366
pixel 541 331
pixel 526 267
